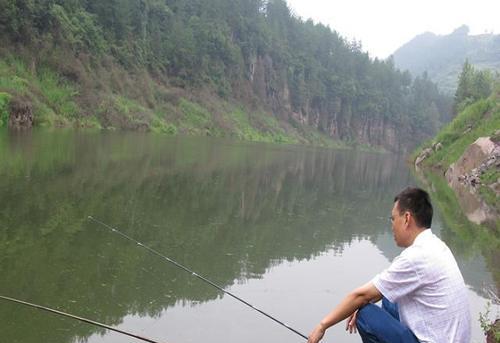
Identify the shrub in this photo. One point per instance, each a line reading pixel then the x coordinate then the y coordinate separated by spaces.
pixel 4 108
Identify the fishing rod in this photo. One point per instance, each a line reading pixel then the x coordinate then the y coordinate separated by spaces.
pixel 85 320
pixel 112 229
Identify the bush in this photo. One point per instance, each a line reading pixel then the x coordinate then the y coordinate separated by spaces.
pixel 491 328
pixel 4 108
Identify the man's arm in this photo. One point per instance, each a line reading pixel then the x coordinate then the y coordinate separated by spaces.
pixel 353 301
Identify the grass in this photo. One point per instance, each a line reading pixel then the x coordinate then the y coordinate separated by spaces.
pixel 488 325
pixel 159 125
pixel 269 130
pixel 13 75
pixel 58 95
pixel 477 120
pixel 57 102
pixel 490 177
pixel 53 99
pixel 195 119
pixel 4 108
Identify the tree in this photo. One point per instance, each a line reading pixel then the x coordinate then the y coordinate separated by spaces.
pixel 472 86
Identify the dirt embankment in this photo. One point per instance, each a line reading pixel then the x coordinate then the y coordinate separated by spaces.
pixel 465 177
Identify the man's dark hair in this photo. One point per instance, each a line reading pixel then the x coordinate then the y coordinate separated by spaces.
pixel 418 203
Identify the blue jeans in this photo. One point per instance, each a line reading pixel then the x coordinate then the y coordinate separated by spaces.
pixel 381 324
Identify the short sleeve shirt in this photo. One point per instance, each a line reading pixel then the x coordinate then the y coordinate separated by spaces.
pixel 426 283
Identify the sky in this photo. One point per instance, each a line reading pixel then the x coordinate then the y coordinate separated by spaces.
pixel 383 26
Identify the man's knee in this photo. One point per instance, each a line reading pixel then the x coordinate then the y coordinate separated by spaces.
pixel 365 314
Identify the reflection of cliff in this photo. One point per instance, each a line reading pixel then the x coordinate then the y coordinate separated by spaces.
pixel 475 208
pixel 227 210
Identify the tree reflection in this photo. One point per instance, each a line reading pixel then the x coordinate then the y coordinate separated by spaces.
pixel 228 210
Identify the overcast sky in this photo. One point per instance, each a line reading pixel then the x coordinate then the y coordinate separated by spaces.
pixel 385 25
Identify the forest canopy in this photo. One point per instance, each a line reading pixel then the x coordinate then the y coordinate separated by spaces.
pixel 240 49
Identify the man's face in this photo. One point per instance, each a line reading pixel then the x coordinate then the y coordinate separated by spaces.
pixel 399 222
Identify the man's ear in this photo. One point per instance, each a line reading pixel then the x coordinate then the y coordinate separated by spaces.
pixel 407 218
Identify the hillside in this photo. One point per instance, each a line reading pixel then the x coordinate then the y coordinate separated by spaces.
pixel 442 56
pixel 247 69
pixel 466 154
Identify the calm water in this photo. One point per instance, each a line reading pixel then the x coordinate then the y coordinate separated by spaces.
pixel 289 229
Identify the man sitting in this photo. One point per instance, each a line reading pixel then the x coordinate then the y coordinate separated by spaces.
pixel 424 298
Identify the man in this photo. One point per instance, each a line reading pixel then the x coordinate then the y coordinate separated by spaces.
pixel 424 298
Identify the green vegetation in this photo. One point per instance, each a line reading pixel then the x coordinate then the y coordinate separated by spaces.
pixel 245 127
pixel 195 119
pixel 488 178
pixel 490 328
pixel 4 108
pixel 472 86
pixel 139 65
pixel 52 98
pixel 479 117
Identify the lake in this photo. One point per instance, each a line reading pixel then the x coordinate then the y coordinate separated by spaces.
pixel 290 229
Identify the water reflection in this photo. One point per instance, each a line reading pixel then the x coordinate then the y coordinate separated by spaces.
pixel 258 219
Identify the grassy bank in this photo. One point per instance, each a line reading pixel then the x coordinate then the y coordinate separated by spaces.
pixel 52 100
pixel 479 119
pixel 134 102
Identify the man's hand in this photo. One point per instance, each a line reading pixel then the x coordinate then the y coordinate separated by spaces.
pixel 317 334
pixel 346 309
pixel 351 323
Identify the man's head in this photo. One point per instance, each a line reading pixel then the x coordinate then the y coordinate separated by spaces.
pixel 412 213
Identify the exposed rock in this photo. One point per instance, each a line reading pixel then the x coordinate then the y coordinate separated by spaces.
pixel 464 176
pixel 333 116
pixel 423 155
pixel 21 114
pixel 437 146
pixel 475 155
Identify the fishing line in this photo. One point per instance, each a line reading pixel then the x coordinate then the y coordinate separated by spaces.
pixel 213 284
pixel 85 320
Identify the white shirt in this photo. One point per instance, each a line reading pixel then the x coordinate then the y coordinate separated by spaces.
pixel 425 282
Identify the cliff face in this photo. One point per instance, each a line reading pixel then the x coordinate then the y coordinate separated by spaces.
pixel 334 117
pixel 467 154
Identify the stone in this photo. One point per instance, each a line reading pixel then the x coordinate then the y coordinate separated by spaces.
pixel 473 156
pixel 474 181
pixel 20 114
pixel 437 146
pixel 423 155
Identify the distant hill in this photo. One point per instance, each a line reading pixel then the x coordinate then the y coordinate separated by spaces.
pixel 442 56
